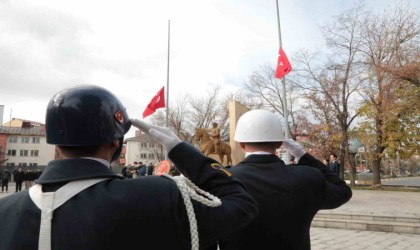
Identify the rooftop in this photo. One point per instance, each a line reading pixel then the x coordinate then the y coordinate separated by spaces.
pixel 22 131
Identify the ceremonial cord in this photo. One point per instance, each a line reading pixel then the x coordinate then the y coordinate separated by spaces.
pixel 190 191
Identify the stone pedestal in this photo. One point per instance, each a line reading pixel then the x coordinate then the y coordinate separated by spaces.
pixel 235 111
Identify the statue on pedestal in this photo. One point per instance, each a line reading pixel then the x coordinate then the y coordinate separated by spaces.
pixel 208 147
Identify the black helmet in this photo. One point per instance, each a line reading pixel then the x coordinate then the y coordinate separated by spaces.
pixel 85 115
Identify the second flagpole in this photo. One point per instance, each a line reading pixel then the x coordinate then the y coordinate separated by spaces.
pixel 167 76
pixel 283 81
pixel 167 81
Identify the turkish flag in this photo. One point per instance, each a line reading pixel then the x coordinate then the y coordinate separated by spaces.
pixel 283 65
pixel 158 101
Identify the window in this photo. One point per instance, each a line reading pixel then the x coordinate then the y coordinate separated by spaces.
pixel 34 152
pixel 151 145
pixel 24 139
pixel 23 152
pixel 22 164
pixel 13 139
pixel 143 144
pixel 151 156
pixel 143 156
pixel 11 152
pixel 33 164
pixel 11 164
pixel 35 139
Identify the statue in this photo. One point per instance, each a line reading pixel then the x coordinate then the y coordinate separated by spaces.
pixel 207 145
pixel 215 137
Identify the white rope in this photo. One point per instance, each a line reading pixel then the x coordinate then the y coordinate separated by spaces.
pixel 190 191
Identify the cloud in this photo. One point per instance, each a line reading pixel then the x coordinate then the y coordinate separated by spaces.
pixel 41 50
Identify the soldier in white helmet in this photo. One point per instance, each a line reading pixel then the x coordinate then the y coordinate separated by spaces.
pixel 288 196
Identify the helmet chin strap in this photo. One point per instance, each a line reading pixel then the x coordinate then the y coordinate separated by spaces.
pixel 118 151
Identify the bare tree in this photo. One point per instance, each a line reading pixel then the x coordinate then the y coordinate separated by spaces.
pixel 265 91
pixel 191 112
pixel 337 79
pixel 178 118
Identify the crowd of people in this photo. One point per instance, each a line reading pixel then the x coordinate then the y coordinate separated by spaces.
pixel 260 203
pixel 138 169
pixel 19 176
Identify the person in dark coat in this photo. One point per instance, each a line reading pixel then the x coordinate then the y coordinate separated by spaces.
pixel 38 173
pixel 30 177
pixel 288 196
pixel 5 178
pixel 19 178
pixel 142 170
pixel 334 165
pixel 86 206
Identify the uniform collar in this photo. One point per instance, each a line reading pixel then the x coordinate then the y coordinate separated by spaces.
pixel 103 161
pixel 257 153
pixel 262 158
pixel 75 169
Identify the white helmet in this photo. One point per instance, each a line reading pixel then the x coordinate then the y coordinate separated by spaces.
pixel 259 126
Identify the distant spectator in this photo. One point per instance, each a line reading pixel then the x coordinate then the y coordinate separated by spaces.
pixel 6 176
pixel 38 173
pixel 173 170
pixel 128 173
pixel 142 170
pixel 150 168
pixel 30 177
pixel 19 178
pixel 334 166
pixel 124 170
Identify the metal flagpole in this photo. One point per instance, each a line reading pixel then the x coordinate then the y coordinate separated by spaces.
pixel 283 81
pixel 167 82
pixel 167 76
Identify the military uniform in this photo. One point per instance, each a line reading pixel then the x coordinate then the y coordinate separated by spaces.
pixel 215 136
pixel 114 213
pixel 288 199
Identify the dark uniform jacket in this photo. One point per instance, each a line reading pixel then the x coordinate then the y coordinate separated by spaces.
pixel 19 176
pixel 335 167
pixel 114 213
pixel 288 197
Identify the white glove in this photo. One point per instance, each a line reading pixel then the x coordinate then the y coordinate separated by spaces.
pixel 294 148
pixel 161 134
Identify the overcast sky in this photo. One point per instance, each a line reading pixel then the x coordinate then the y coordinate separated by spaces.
pixel 48 45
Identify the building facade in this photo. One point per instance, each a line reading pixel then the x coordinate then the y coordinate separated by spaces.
pixel 142 148
pixel 25 146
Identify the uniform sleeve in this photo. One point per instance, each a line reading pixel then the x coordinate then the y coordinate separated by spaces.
pixel 338 192
pixel 238 208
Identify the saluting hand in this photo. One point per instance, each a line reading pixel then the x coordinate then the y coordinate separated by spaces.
pixel 161 134
pixel 294 148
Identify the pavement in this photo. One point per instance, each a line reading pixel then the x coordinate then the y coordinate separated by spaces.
pixel 374 211
pixel 381 203
pixel 329 238
pixel 373 203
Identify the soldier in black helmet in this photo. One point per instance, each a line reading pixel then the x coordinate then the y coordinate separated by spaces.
pixel 79 203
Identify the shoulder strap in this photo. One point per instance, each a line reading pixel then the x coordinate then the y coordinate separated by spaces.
pixel 190 191
pixel 49 201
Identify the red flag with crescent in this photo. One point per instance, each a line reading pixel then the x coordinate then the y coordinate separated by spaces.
pixel 283 65
pixel 158 101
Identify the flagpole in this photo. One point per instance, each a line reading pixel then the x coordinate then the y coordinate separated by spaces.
pixel 283 81
pixel 167 76
pixel 167 82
